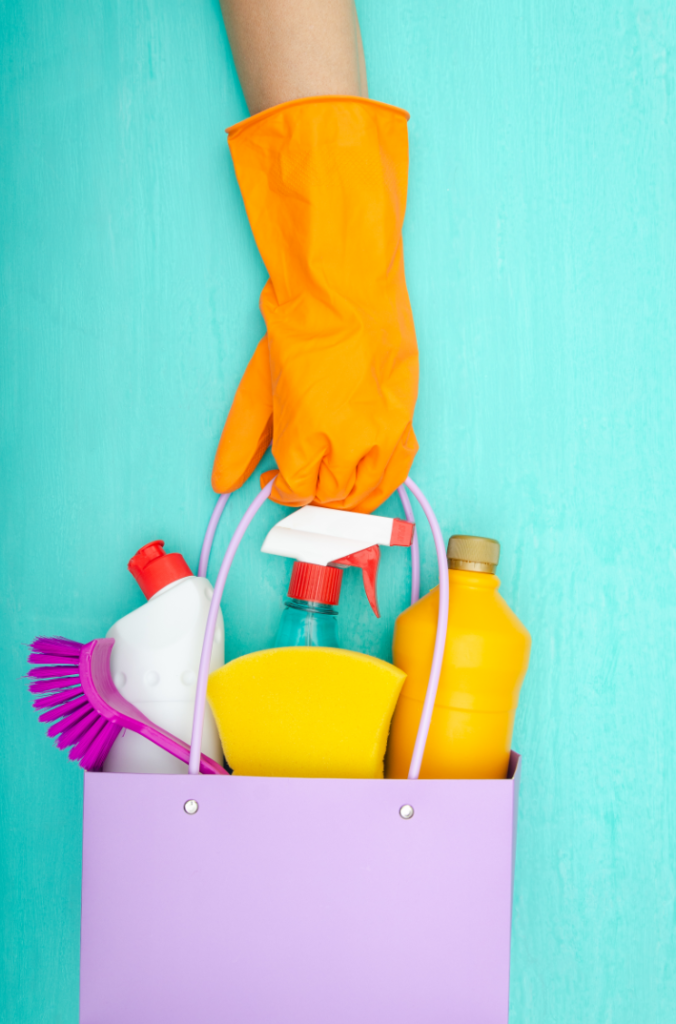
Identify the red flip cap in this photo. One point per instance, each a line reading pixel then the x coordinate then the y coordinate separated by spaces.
pixel 153 568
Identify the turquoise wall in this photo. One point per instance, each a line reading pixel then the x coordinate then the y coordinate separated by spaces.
pixel 541 256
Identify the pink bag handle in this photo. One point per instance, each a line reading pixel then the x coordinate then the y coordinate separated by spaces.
pixel 212 618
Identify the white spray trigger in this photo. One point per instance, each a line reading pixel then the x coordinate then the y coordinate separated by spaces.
pixel 325 535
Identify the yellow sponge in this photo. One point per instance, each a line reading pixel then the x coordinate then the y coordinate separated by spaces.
pixel 314 712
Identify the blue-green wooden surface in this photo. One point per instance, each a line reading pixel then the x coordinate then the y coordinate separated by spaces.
pixel 541 259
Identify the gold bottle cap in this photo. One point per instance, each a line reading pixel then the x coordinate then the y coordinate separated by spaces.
pixel 474 554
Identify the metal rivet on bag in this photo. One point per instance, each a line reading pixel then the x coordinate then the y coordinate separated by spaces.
pixel 406 811
pixel 192 807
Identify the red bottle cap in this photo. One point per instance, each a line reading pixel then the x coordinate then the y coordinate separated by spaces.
pixel 315 583
pixel 153 568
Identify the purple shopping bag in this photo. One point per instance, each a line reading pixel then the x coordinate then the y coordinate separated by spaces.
pixel 246 900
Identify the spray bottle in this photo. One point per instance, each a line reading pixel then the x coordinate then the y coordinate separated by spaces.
pixel 323 542
pixel 307 708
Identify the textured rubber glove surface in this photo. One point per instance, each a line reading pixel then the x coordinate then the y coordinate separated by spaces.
pixel 334 382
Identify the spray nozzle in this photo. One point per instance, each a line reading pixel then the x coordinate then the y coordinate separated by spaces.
pixel 368 561
pixel 329 537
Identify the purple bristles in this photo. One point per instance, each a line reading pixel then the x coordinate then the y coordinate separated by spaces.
pixel 60 697
pixel 53 671
pixel 56 645
pixel 88 735
pixel 49 659
pixel 75 723
pixel 99 749
pixel 84 711
pixel 62 710
pixel 70 729
pixel 54 685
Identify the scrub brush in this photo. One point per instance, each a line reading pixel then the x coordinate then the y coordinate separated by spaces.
pixel 86 709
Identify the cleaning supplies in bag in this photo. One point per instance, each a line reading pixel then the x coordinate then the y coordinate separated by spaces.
pixel 303 709
pixel 155 658
pixel 485 661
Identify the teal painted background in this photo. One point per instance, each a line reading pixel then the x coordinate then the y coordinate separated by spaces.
pixel 541 259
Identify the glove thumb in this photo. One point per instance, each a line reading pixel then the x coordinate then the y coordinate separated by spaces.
pixel 248 429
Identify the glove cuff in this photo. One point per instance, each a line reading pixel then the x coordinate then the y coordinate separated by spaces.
pixel 241 126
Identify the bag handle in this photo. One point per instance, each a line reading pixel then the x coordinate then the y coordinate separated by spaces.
pixel 212 617
pixel 219 508
pixel 214 520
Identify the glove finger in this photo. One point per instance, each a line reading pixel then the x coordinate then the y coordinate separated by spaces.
pixel 298 455
pixel 373 484
pixel 297 484
pixel 248 429
pixel 281 492
pixel 396 471
pixel 373 479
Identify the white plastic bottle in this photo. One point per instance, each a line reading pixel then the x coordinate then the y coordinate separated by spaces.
pixel 155 659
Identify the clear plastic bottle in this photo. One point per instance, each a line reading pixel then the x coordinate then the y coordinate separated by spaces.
pixel 307 624
pixel 310 616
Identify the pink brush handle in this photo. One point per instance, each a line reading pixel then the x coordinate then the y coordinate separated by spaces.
pixel 106 700
pixel 212 618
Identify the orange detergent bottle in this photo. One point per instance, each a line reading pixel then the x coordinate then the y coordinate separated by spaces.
pixel 485 661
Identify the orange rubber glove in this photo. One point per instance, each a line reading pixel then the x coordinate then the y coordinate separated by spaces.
pixel 333 383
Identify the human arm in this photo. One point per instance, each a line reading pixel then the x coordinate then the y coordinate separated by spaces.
pixel 323 174
pixel 290 49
